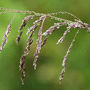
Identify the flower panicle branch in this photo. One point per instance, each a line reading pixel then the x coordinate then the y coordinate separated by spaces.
pixel 24 22
pixel 32 28
pixel 39 41
pixel 84 25
pixel 61 39
pixel 22 60
pixel 5 37
pixel 70 25
pixel 65 57
pixel 53 28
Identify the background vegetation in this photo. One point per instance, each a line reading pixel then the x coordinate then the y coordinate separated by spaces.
pixel 45 77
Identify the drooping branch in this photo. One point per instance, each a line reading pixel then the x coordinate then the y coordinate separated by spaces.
pixel 39 41
pixel 65 57
pixel 5 37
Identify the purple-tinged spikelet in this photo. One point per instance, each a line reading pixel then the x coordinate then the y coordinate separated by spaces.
pixel 18 37
pixel 24 22
pixel 44 41
pixel 23 68
pixel 7 31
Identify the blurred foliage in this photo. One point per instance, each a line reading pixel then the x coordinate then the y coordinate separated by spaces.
pixel 45 77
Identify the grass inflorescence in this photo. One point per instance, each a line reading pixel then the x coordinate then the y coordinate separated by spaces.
pixel 76 23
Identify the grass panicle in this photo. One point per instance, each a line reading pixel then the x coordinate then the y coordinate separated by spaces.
pixel 76 23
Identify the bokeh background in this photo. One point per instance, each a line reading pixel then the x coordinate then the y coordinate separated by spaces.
pixel 46 76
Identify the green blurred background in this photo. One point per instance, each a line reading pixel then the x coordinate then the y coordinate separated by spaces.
pixel 46 76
